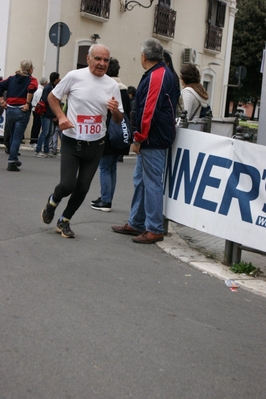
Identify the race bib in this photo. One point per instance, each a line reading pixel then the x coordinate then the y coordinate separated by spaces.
pixel 88 126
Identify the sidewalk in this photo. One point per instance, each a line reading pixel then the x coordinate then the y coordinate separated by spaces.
pixel 206 252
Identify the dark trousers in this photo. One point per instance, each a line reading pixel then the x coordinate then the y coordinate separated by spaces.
pixel 35 129
pixel 79 162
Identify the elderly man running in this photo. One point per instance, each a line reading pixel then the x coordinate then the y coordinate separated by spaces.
pixel 90 94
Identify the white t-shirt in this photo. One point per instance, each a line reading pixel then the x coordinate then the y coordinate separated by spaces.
pixel 36 96
pixel 87 97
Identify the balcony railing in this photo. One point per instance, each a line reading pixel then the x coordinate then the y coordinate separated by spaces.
pixel 95 8
pixel 164 21
pixel 214 37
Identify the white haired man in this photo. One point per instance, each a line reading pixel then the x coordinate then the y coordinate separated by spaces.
pixel 90 94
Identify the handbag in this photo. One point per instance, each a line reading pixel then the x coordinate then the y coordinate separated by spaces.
pixel 120 134
pixel 40 108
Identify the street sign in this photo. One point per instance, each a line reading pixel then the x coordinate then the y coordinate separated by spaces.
pixel 59 34
pixel 241 72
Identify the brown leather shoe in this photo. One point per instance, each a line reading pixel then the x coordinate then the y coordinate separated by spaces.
pixel 126 229
pixel 148 238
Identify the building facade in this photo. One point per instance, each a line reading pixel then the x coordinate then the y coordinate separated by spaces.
pixel 193 31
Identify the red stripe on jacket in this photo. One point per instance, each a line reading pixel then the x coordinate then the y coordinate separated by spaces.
pixel 155 84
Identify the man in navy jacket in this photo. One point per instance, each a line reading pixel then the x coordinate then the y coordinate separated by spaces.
pixel 19 90
pixel 155 106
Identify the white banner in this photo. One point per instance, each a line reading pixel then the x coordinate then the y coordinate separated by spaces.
pixel 2 123
pixel 217 185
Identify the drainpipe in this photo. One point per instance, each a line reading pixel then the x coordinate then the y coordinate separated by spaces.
pixel 232 12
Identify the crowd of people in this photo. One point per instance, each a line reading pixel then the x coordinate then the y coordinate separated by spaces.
pixel 95 95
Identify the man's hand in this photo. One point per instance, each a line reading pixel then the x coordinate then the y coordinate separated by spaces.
pixel 136 148
pixel 112 105
pixel 64 123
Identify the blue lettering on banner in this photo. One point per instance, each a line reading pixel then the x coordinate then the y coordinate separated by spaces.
pixel 244 198
pixel 180 170
pixel 207 180
pixel 261 221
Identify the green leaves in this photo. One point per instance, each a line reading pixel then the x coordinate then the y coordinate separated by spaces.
pixel 247 47
pixel 245 268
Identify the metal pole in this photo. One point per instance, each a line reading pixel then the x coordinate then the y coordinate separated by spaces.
pixel 58 45
pixel 236 253
pixel 261 139
pixel 228 249
pixel 165 225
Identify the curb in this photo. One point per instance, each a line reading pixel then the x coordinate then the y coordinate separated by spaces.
pixel 175 246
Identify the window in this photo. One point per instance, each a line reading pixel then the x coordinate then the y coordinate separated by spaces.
pixel 82 56
pixel 208 82
pixel 165 3
pixel 98 10
pixel 164 20
pixel 215 23
pixel 220 14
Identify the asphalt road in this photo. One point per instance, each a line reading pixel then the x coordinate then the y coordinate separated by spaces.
pixel 100 317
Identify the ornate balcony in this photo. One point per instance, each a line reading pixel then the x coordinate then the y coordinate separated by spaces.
pixel 98 10
pixel 164 22
pixel 214 35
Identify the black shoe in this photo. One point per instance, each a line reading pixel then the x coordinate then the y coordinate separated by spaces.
pixel 64 229
pixel 47 213
pixel 96 201
pixel 13 167
pixel 102 206
pixel 18 163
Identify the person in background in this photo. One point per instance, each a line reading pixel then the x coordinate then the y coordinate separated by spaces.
pixel 132 94
pixel 155 105
pixel 36 123
pixel 19 92
pixel 57 134
pixel 1 107
pixel 111 155
pixel 168 60
pixel 193 95
pixel 47 118
pixel 90 94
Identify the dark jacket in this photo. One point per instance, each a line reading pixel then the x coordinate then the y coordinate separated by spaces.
pixel 17 87
pixel 108 149
pixel 46 91
pixel 155 106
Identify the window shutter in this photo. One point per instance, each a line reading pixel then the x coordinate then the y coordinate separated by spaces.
pixel 220 16
pixel 166 3
pixel 209 15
